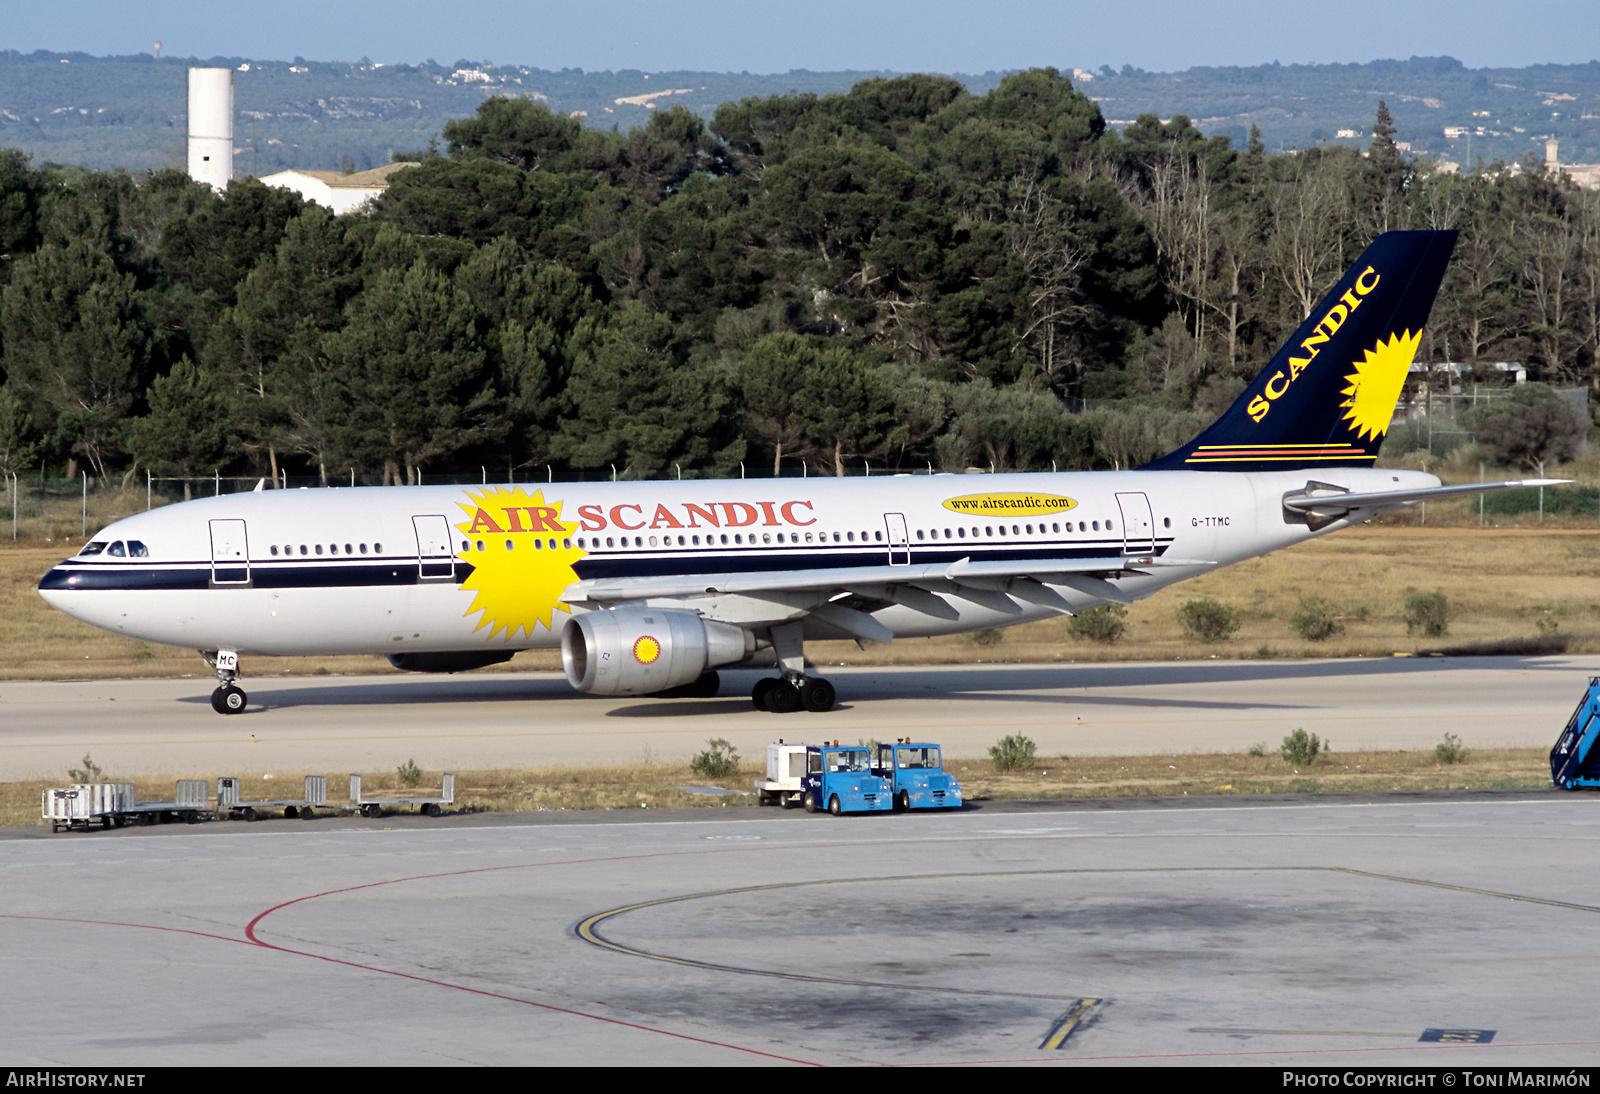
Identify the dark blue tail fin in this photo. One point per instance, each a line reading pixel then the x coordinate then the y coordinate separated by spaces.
pixel 1327 396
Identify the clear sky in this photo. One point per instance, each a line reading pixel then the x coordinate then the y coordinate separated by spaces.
pixel 822 35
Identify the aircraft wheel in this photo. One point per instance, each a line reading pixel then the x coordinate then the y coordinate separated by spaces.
pixel 229 699
pixel 763 688
pixel 810 803
pixel 783 697
pixel 817 695
pixel 834 807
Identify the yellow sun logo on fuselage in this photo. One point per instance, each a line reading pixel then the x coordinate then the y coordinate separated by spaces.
pixel 1376 383
pixel 522 557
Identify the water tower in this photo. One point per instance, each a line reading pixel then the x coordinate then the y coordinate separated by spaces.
pixel 211 126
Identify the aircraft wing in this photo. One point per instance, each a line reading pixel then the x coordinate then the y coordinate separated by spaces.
pixel 1323 500
pixel 960 573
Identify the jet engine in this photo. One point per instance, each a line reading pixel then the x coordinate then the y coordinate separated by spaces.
pixel 448 662
pixel 639 651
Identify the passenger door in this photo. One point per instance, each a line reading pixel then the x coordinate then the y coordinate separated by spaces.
pixel 230 553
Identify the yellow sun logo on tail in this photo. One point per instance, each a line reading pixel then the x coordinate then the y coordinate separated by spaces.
pixel 1376 383
pixel 522 556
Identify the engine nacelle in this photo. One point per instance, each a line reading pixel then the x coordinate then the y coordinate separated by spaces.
pixel 637 651
pixel 448 662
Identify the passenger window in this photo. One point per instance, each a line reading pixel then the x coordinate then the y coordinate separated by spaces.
pixel 511 546
pixel 274 550
pixel 347 549
pixel 377 548
pixel 333 548
pixel 137 549
pixel 117 550
pixel 319 548
pixel 302 548
pixel 480 545
pixel 364 548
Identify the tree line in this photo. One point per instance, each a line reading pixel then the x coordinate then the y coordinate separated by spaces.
pixel 906 274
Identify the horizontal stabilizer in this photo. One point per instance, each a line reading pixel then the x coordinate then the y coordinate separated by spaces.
pixel 1328 500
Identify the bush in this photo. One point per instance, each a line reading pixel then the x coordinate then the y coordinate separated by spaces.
pixel 1301 748
pixel 991 637
pixel 409 773
pixel 718 761
pixel 1104 624
pixel 1207 620
pixel 1256 750
pixel 1428 613
pixel 89 773
pixel 1012 753
pixel 1450 750
pixel 1316 620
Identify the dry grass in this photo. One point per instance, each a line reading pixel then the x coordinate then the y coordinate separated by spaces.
pixel 657 786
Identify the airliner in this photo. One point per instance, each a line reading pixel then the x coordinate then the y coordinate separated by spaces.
pixel 649 588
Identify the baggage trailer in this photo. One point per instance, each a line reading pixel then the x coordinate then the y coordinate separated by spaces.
pixel 372 807
pixel 916 776
pixel 1575 761
pixel 786 773
pixel 228 803
pixel 840 779
pixel 82 805
pixel 78 807
pixel 191 797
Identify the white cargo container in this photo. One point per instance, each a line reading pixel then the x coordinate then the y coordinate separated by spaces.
pixel 82 804
pixel 786 770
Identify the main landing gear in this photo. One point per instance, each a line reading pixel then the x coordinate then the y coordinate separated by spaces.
pixel 793 690
pixel 780 695
pixel 229 698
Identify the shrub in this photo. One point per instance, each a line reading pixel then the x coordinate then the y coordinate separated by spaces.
pixel 1104 624
pixel 1256 750
pixel 1450 750
pixel 409 773
pixel 1207 620
pixel 991 637
pixel 718 761
pixel 1301 748
pixel 1316 620
pixel 1428 613
pixel 1012 753
pixel 89 773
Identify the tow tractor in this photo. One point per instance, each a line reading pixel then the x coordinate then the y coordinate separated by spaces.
pixel 916 776
pixel 840 779
pixel 1574 761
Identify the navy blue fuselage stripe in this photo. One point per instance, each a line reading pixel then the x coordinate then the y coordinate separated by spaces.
pixel 393 572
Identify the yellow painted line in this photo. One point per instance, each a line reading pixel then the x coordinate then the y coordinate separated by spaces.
pixel 1468 889
pixel 1068 1023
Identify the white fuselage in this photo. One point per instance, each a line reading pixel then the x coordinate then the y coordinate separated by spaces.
pixel 386 570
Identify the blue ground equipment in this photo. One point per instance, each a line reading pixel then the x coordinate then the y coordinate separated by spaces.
pixel 1574 761
pixel 840 779
pixel 916 776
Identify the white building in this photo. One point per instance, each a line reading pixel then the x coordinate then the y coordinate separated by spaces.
pixel 211 126
pixel 337 191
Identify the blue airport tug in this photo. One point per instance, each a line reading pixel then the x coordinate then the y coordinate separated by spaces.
pixel 1574 761
pixel 840 779
pixel 916 776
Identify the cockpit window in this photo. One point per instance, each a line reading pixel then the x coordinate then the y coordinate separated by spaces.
pixel 117 550
pixel 136 549
pixel 92 548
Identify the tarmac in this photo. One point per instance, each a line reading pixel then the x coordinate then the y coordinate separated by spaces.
pixel 1413 930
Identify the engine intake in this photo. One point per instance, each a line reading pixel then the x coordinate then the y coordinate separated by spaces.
pixel 638 651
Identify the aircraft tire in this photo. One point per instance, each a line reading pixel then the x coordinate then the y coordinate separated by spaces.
pixel 759 693
pixel 229 699
pixel 817 695
pixel 783 698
